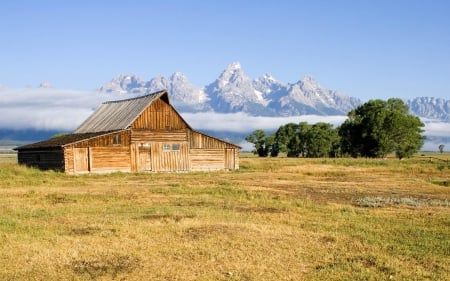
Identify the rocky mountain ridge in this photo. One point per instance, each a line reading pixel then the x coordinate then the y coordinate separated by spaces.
pixel 233 91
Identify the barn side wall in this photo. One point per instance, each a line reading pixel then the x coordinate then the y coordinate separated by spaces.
pixel 208 153
pixel 105 153
pixel 45 159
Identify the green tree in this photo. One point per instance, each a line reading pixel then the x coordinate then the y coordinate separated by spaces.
pixel 441 148
pixel 283 137
pixel 379 127
pixel 272 145
pixel 350 136
pixel 291 138
pixel 322 140
pixel 261 142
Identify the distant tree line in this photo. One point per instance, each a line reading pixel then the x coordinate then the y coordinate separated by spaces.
pixel 373 129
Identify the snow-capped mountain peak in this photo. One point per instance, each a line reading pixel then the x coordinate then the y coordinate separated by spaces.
pixel 124 83
pixel 269 77
pixel 178 76
pixel 234 66
pixel 234 91
pixel 309 84
pixel 233 73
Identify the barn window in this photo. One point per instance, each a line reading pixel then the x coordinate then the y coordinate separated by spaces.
pixel 145 144
pixel 171 147
pixel 117 139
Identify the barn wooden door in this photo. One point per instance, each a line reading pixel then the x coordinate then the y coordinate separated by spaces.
pixel 81 160
pixel 145 158
pixel 229 158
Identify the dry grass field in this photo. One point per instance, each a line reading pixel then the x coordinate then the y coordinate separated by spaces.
pixel 274 219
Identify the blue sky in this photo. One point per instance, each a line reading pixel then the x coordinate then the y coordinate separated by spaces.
pixel 367 49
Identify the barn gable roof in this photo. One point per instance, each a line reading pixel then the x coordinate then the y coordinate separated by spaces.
pixel 118 115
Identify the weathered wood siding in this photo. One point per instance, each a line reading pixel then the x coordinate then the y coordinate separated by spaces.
pixel 46 159
pixel 97 159
pixel 68 160
pixel 121 138
pixel 144 160
pixel 170 160
pixel 230 158
pixel 141 150
pixel 106 159
pixel 81 160
pixel 150 154
pixel 207 159
pixel 159 116
pixel 145 136
pixel 105 153
pixel 199 140
pixel 208 153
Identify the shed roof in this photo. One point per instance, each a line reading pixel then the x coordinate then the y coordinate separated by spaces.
pixel 118 115
pixel 61 141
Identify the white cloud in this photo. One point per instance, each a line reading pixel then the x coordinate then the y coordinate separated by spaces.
pixel 242 123
pixel 437 129
pixel 65 110
pixel 47 108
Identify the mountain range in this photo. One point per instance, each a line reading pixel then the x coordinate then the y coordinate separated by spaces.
pixel 233 91
pixel 234 103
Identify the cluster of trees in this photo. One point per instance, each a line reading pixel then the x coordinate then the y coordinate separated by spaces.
pixel 373 129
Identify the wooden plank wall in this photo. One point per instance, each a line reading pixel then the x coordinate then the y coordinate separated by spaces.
pixel 81 160
pixel 236 159
pixel 145 136
pixel 102 152
pixel 159 116
pixel 169 161
pixel 105 159
pixel 199 140
pixel 97 159
pixel 68 160
pixel 208 153
pixel 134 157
pixel 106 140
pixel 207 159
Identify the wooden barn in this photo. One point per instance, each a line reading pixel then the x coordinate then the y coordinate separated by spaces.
pixel 133 135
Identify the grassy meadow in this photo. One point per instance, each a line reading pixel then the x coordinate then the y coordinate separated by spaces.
pixel 274 219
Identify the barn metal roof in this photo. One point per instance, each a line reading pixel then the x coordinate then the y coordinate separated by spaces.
pixel 118 115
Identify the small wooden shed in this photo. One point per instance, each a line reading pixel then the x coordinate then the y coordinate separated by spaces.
pixel 133 135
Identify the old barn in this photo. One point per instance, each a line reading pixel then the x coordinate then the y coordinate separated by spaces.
pixel 133 135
